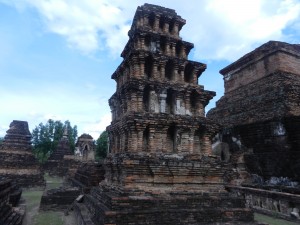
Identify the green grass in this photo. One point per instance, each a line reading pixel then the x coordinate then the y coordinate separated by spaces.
pixel 32 198
pixel 53 182
pixel 271 220
pixel 48 218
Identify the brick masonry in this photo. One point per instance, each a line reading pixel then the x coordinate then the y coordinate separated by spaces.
pixel 16 159
pixel 261 108
pixel 160 168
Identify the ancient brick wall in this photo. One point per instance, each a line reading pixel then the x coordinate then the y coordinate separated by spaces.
pixel 59 198
pixel 260 63
pixel 8 215
pixel 271 202
pixel 261 108
pixel 88 175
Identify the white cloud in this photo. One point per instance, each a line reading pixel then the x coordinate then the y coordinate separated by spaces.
pixel 219 29
pixel 95 129
pixel 86 25
pixel 232 28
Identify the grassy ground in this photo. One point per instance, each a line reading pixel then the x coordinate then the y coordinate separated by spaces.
pixel 53 182
pixel 271 220
pixel 34 216
pixel 49 218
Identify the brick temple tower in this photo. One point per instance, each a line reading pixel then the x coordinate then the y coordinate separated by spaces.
pixel 158 106
pixel 159 169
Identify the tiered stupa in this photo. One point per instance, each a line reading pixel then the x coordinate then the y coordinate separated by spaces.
pixel 16 159
pixel 160 169
pixel 63 148
pixel 62 159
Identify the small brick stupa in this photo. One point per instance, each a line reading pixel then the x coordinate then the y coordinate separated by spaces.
pixel 16 159
pixel 62 159
pixel 85 145
pixel 63 148
pixel 160 169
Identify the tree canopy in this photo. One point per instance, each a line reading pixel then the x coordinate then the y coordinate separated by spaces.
pixel 45 138
pixel 102 146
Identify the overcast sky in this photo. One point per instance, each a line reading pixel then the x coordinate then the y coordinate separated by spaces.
pixel 57 56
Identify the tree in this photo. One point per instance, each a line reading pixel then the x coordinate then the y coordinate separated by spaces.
pixel 45 138
pixel 1 140
pixel 102 146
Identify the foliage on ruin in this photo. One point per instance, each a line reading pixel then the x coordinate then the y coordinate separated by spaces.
pixel 102 146
pixel 45 137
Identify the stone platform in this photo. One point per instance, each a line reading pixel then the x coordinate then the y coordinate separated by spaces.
pixel 59 198
pixel 161 190
pixel 116 207
pixel 88 175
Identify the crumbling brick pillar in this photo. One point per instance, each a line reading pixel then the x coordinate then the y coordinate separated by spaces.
pixel 133 140
pixel 173 48
pixel 142 67
pixel 155 72
pixel 181 73
pixel 166 26
pixel 175 30
pixel 206 145
pixel 183 52
pixel 145 20
pixel 156 22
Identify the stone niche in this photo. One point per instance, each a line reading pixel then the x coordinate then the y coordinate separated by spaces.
pixel 16 159
pixel 260 111
pixel 160 169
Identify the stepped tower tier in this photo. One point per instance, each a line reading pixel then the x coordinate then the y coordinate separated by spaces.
pixel 158 106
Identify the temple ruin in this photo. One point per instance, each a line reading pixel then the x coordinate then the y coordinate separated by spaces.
pixel 17 161
pixel 8 214
pixel 260 118
pixel 62 161
pixel 85 148
pixel 63 148
pixel 260 110
pixel 160 168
